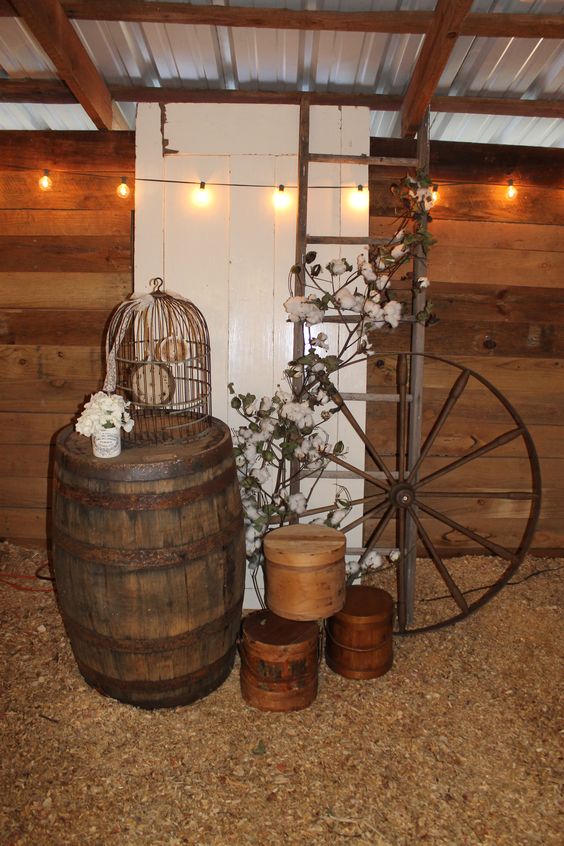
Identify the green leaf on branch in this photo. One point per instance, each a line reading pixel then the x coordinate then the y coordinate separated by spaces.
pixel 310 256
pixel 339 448
pixel 236 403
pixel 332 363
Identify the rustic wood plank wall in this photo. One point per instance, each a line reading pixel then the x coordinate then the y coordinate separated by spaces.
pixel 66 261
pixel 497 284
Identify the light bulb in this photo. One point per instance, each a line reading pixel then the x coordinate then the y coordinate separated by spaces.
pixel 358 198
pixel 45 182
pixel 123 190
pixel 511 190
pixel 280 199
pixel 201 195
pixel 435 193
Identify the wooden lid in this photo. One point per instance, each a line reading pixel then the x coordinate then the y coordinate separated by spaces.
pixel 304 544
pixel 364 604
pixel 266 627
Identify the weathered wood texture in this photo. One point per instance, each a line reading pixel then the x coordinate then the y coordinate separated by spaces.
pixel 66 263
pixel 497 285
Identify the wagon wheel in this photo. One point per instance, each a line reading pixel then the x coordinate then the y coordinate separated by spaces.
pixel 423 500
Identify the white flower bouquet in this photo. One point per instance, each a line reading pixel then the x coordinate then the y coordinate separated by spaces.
pixel 104 411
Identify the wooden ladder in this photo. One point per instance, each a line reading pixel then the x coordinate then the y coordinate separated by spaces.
pixel 304 239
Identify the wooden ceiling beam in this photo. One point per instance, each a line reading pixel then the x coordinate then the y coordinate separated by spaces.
pixel 53 31
pixel 244 16
pixel 35 91
pixel 431 62
pixel 53 91
pixel 490 25
pixel 499 25
pixel 498 106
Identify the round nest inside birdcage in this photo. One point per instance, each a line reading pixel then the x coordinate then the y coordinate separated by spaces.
pixel 158 359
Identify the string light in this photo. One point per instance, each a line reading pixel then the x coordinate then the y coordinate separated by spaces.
pixel 358 198
pixel 435 193
pixel 280 199
pixel 45 182
pixel 123 190
pixel 201 196
pixel 511 190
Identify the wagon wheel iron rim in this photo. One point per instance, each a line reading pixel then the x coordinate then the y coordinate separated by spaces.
pixel 400 494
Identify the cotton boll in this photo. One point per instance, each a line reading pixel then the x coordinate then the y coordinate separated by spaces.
pixel 398 251
pixel 262 475
pixel 368 273
pixel 392 313
pixel 297 503
pixel 352 568
pixel 373 561
pixel 345 298
pixel 337 267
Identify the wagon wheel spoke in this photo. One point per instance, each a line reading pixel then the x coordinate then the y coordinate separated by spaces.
pixel 401 538
pixel 438 562
pixel 514 495
pixel 454 394
pixel 372 452
pixel 362 474
pixel 371 512
pixel 377 531
pixel 501 440
pixel 401 378
pixel 493 547
pixel 374 502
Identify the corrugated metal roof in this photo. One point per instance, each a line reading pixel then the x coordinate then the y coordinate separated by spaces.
pixel 198 56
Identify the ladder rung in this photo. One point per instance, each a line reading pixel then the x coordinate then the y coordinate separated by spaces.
pixel 358 550
pixel 347 474
pixel 345 239
pixel 367 397
pixel 384 161
pixel 355 318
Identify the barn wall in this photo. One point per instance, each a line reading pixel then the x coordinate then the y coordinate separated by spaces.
pixel 65 262
pixel 497 284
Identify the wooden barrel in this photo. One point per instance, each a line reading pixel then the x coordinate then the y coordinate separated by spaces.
pixel 279 662
pixel 305 571
pixel 358 643
pixel 149 560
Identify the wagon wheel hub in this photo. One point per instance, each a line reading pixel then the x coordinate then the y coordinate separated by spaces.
pixel 402 495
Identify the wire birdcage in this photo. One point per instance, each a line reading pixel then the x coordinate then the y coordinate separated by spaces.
pixel 158 358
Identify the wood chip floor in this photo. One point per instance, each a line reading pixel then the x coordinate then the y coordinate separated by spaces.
pixel 457 745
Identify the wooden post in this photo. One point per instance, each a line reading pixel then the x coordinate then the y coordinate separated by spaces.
pixel 416 389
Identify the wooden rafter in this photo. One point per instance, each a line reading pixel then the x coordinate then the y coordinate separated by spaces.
pixel 54 91
pixel 431 62
pixel 52 29
pixel 485 25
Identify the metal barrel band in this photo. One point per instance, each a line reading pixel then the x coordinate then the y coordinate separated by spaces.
pixel 379 646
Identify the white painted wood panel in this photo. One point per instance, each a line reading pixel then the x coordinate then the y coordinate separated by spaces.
pixel 232 257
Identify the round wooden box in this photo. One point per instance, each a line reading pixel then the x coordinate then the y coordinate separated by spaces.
pixel 358 643
pixel 305 571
